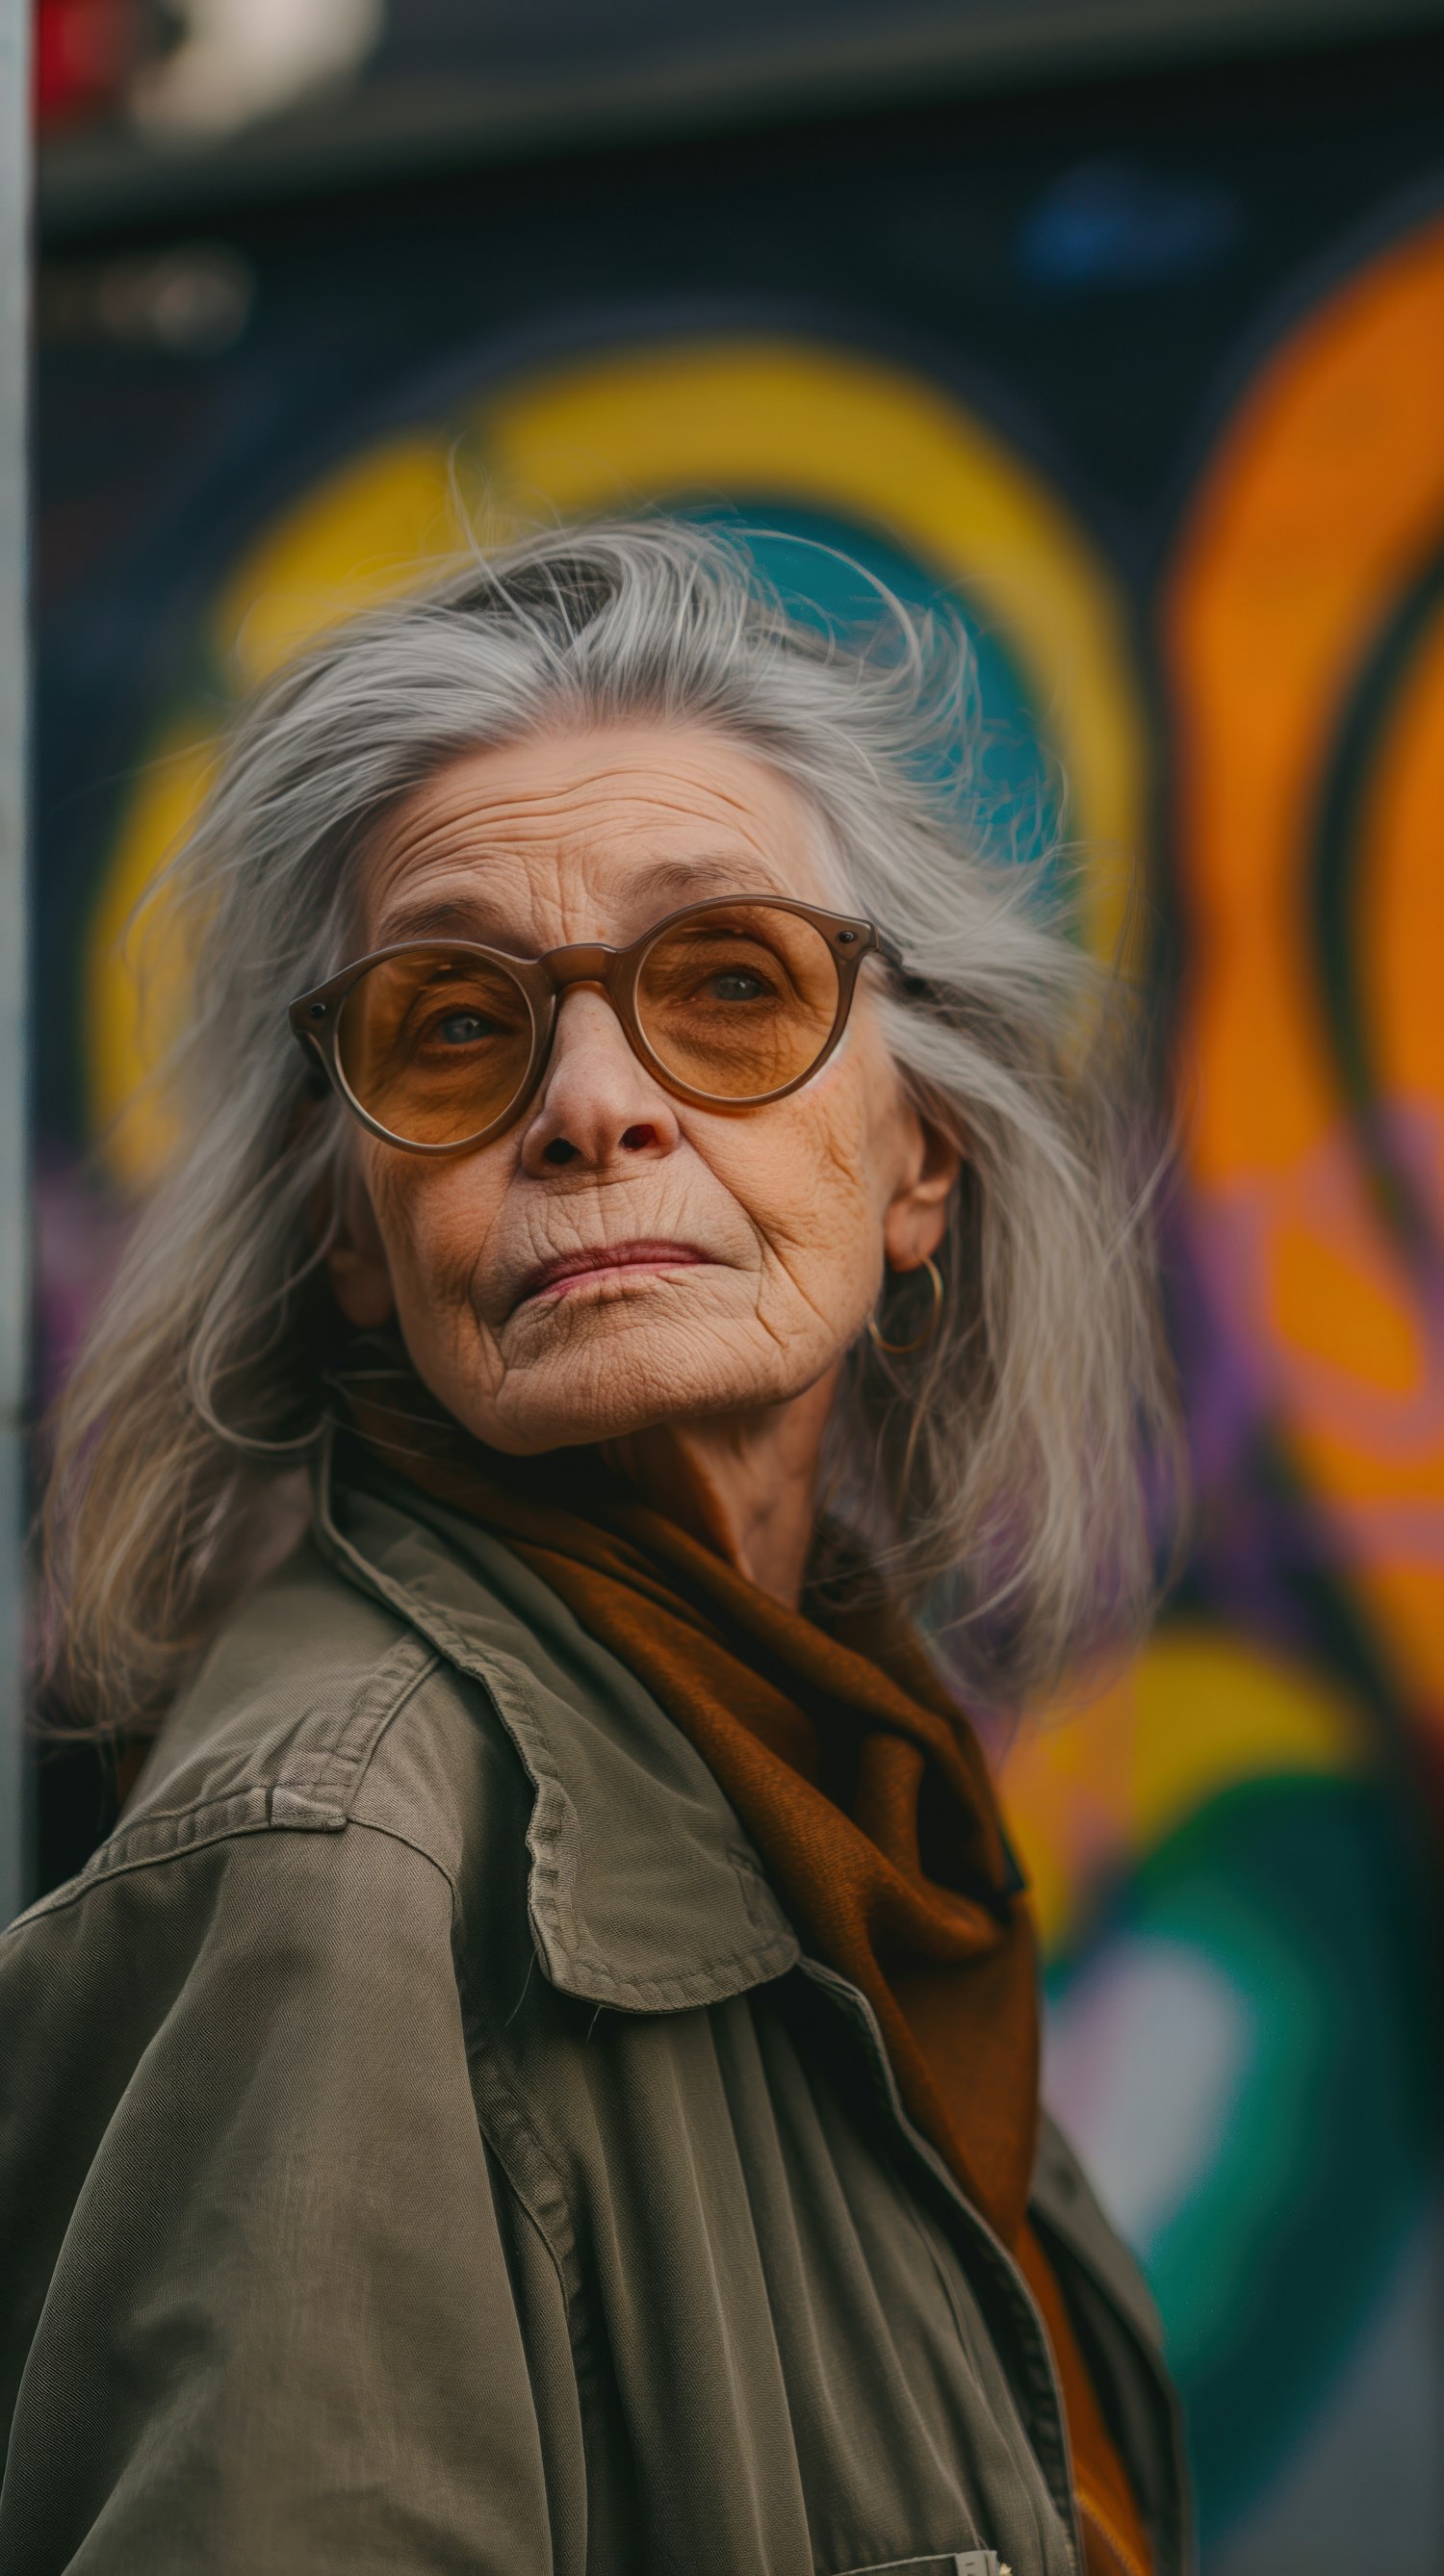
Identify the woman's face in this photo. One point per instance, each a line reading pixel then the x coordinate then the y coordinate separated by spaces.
pixel 620 1258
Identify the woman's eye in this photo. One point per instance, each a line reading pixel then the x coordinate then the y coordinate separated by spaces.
pixel 736 984
pixel 463 1028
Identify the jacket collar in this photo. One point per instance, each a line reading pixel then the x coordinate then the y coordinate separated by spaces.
pixel 643 1892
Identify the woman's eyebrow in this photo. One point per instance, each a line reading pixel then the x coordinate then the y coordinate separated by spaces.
pixel 657 886
pixel 729 872
pixel 443 917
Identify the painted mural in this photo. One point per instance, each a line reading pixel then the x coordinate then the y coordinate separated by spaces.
pixel 1234 1846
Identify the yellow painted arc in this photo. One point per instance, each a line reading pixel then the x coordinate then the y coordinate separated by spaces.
pixel 135 979
pixel 827 428
pixel 1199 1713
pixel 383 523
pixel 378 526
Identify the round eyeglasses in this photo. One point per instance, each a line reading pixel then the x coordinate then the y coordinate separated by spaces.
pixel 438 1045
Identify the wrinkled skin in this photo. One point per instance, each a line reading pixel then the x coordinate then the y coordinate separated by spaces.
pixel 709 1368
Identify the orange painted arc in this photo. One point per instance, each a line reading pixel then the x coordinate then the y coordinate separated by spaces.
pixel 1325 489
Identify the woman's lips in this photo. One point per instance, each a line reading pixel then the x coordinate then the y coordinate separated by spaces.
pixel 573 1270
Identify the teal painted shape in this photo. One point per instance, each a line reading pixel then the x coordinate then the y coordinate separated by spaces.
pixel 826 570
pixel 1305 1898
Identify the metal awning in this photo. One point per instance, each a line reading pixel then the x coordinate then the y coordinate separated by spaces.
pixel 435 84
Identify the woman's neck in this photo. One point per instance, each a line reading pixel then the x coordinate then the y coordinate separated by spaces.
pixel 745 1483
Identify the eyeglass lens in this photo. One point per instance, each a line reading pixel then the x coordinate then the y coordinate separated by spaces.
pixel 737 1004
pixel 435 1043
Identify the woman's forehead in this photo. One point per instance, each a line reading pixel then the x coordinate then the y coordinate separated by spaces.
pixel 635 820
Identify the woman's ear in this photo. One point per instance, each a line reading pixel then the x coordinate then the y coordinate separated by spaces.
pixel 360 1272
pixel 916 1216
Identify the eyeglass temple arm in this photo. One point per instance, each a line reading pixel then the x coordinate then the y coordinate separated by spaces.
pixel 892 956
pixel 318 1079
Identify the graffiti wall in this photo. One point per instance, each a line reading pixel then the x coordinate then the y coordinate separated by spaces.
pixel 1152 386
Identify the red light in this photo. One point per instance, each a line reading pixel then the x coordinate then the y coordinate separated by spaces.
pixel 85 51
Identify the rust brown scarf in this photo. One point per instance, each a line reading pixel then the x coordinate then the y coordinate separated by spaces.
pixel 866 1793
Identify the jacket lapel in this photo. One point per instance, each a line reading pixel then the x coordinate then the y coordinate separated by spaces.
pixel 643 1892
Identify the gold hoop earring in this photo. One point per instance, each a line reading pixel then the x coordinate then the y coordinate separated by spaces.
pixel 900 1350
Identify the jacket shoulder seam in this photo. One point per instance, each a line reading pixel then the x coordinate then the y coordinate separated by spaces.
pixel 310 1787
pixel 326 1756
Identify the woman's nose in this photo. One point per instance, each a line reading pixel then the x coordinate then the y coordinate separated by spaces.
pixel 598 1105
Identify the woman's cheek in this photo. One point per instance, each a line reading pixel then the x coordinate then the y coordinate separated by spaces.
pixel 433 1227
pixel 813 1201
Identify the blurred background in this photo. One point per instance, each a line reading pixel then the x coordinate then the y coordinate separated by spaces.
pixel 1120 322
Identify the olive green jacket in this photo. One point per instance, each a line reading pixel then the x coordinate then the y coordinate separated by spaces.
pixel 423 2149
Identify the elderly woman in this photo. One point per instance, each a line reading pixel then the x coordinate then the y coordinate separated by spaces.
pixel 544 2075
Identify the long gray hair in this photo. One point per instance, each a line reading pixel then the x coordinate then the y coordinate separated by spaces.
pixel 1001 1474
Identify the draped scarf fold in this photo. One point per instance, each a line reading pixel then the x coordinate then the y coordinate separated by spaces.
pixel 866 1794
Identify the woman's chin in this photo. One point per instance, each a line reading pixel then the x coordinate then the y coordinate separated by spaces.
pixel 628 1373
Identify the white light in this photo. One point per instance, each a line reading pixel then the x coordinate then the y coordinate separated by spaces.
pixel 243 59
pixel 1144 2060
